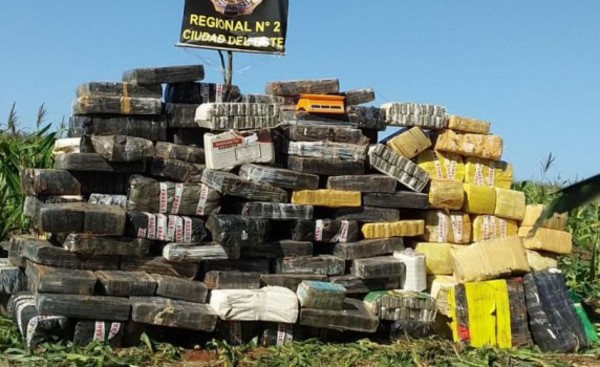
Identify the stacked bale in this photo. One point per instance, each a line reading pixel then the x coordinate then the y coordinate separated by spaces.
pixel 113 203
pixel 548 242
pixel 486 213
pixel 215 211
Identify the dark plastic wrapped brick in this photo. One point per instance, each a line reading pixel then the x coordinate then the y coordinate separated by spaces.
pixel 149 195
pixel 277 211
pixel 230 184
pixel 181 116
pixel 326 230
pixel 118 200
pixel 279 334
pixel 377 267
pixel 519 326
pixel 183 153
pixel 33 204
pixel 279 177
pixel 198 93
pixel 368 248
pixel 148 127
pixel 409 328
pixel 176 170
pixel 170 228
pixel 110 333
pixel 49 182
pixel 554 324
pixel 35 328
pixel 118 148
pixel 321 265
pixel 353 317
pixel 232 280
pixel 237 230
pixel 237 332
pixel 12 278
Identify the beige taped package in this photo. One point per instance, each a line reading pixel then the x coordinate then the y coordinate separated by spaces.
pixel 487 227
pixel 327 198
pixel 441 226
pixel 437 257
pixel 410 142
pixel 533 212
pixel 546 239
pixel 468 125
pixel 510 204
pixel 479 199
pixel 442 165
pixel 446 194
pixel 489 259
pixel 403 228
pixel 485 172
pixel 439 286
pixel 539 262
pixel 471 145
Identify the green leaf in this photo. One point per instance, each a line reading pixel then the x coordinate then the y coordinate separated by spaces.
pixel 147 342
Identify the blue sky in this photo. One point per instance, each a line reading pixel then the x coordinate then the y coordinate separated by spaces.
pixel 529 67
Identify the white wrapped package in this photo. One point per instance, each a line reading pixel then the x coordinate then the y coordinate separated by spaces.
pixel 416 272
pixel 234 148
pixel 271 304
pixel 66 145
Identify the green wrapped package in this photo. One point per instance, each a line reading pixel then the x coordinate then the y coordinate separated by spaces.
pixel 401 305
pixel 321 295
pixel 588 327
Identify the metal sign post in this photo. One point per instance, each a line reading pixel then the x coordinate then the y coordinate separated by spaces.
pixel 227 70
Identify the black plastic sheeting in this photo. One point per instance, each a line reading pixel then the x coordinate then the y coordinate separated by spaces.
pixel 553 321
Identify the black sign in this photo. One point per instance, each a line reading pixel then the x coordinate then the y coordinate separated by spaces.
pixel 239 25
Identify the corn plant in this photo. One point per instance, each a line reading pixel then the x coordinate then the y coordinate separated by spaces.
pixel 19 150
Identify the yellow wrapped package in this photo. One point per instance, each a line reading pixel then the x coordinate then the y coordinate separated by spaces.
pixel 470 145
pixel 546 239
pixel 441 226
pixel 485 172
pixel 468 125
pixel 539 262
pixel 479 199
pixel 440 286
pixel 327 198
pixel 446 194
pixel 486 227
pixel 410 142
pixel 510 204
pixel 437 257
pixel 403 228
pixel 489 259
pixel 480 314
pixel 533 212
pixel 442 165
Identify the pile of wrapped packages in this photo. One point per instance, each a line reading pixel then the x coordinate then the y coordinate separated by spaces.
pixel 178 207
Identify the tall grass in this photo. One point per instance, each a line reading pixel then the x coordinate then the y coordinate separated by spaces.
pixel 19 150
